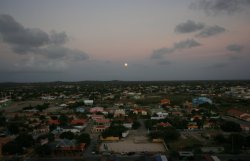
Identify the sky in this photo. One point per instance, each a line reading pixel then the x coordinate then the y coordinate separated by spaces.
pixel 77 40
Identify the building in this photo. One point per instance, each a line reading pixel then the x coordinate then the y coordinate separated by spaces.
pixel 201 100
pixel 165 102
pixel 119 113
pixel 65 145
pixel 100 125
pixel 97 117
pixel 140 112
pixel 88 102
pixel 80 109
pixel 239 114
pixel 96 109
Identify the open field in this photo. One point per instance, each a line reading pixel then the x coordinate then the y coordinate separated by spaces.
pixel 129 146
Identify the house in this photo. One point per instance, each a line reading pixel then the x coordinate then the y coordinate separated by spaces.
pixel 63 105
pixel 69 145
pixel 128 124
pixel 80 109
pixel 140 112
pixel 196 117
pixel 164 124
pixel 165 102
pixel 79 123
pixel 97 117
pixel 96 109
pixel 119 113
pixel 245 127
pixel 238 114
pixel 88 102
pixel 159 116
pixel 201 100
pixel 40 131
pixel 100 125
pixel 192 126
pixel 53 122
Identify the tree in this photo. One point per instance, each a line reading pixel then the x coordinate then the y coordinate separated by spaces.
pixel 24 140
pixel 115 131
pixel 43 150
pixel 84 138
pixel 247 142
pixel 230 126
pixel 237 141
pixel 220 139
pixel 171 134
pixel 136 125
pixel 67 135
pixel 2 120
pixel 63 120
pixel 12 148
pixel 167 133
pixel 13 128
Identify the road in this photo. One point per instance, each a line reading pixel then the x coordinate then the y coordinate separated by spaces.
pixel 228 118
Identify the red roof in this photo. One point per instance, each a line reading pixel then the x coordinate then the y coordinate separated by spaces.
pixel 78 122
pixel 234 112
pixel 102 120
pixel 53 122
pixel 165 101
pixel 164 124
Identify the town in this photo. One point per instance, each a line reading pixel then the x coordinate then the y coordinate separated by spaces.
pixel 125 121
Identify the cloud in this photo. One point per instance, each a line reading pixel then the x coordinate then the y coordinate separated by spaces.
pixel 189 43
pixel 186 44
pixel 235 47
pixel 159 53
pixel 204 30
pixel 58 38
pixel 214 7
pixel 37 42
pixel 16 35
pixel 211 31
pixel 60 52
pixel 188 27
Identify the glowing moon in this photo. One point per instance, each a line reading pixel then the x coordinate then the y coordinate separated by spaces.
pixel 125 65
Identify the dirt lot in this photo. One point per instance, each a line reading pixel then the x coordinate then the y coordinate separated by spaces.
pixel 129 145
pixel 16 106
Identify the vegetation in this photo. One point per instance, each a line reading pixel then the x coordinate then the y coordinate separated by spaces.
pixel 229 126
pixel 17 146
pixel 168 134
pixel 115 131
pixel 67 135
pixel 136 125
pixel 84 138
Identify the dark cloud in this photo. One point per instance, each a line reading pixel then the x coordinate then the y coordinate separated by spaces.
pixel 60 52
pixel 211 31
pixel 189 43
pixel 213 7
pixel 235 47
pixel 35 41
pixel 58 38
pixel 159 53
pixel 189 26
pixel 16 35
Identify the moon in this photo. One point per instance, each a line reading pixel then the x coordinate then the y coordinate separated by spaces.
pixel 125 65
